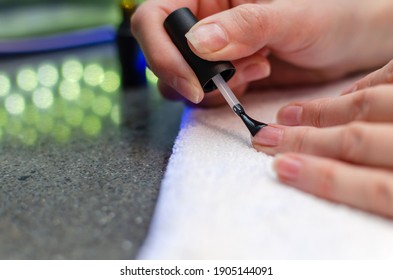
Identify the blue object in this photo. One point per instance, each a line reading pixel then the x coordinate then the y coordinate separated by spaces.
pixel 67 40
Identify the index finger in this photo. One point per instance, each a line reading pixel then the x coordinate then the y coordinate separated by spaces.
pixel 370 104
pixel 358 142
pixel 162 56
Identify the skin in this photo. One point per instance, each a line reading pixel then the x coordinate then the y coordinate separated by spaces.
pixel 339 148
pixel 306 41
pixel 335 148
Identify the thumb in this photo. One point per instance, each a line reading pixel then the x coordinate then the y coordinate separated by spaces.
pixel 237 32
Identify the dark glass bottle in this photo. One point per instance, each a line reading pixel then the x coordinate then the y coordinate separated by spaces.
pixel 132 61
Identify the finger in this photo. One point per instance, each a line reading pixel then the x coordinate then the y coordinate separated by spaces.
pixel 360 143
pixel 212 99
pixel 244 29
pixel 168 92
pixel 171 67
pixel 380 76
pixel 365 188
pixel 287 74
pixel 370 104
pixel 248 69
pixel 215 98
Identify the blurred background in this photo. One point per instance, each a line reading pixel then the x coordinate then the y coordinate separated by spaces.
pixel 26 18
pixel 63 65
pixel 21 18
pixel 84 134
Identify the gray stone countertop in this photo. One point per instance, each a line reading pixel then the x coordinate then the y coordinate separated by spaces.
pixel 81 160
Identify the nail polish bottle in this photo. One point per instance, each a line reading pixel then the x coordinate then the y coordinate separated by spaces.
pixel 132 61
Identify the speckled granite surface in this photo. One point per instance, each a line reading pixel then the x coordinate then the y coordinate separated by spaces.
pixel 89 197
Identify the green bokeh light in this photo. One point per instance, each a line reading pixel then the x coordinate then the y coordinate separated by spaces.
pixel 72 70
pixel 101 106
pixel 86 98
pixel 3 117
pixel 74 116
pixel 48 75
pixel 151 77
pixel 59 99
pixel 111 82
pixel 28 136
pixel 30 114
pixel 27 79
pixel 59 107
pixel 5 85
pixel 93 74
pixel 92 125
pixel 69 90
pixel 61 132
pixel 14 127
pixel 44 123
pixel 15 104
pixel 43 98
pixel 115 115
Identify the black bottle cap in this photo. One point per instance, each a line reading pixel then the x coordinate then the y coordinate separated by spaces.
pixel 177 24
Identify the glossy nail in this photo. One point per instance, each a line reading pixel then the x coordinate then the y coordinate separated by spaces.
pixel 268 136
pixel 207 38
pixel 290 115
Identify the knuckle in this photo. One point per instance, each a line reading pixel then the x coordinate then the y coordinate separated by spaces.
pixel 382 199
pixel 325 188
pixel 303 140
pixel 352 141
pixel 360 105
pixel 316 111
pixel 248 17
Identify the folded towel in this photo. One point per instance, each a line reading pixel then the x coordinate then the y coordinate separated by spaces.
pixel 220 199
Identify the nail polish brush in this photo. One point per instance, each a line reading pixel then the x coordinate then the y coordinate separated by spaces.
pixel 211 74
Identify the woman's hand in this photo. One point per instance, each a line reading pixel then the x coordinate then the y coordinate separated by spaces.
pixel 381 76
pixel 307 41
pixel 339 148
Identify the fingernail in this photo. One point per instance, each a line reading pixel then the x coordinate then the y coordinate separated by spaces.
pixel 287 167
pixel 350 89
pixel 207 38
pixel 256 71
pixel 269 136
pixel 187 89
pixel 290 115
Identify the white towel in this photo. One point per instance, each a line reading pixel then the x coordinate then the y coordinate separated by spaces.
pixel 220 199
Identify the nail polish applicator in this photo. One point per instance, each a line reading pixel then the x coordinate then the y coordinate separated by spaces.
pixel 211 74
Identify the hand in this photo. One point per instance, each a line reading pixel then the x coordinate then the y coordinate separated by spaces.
pixel 339 148
pixel 308 41
pixel 381 76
